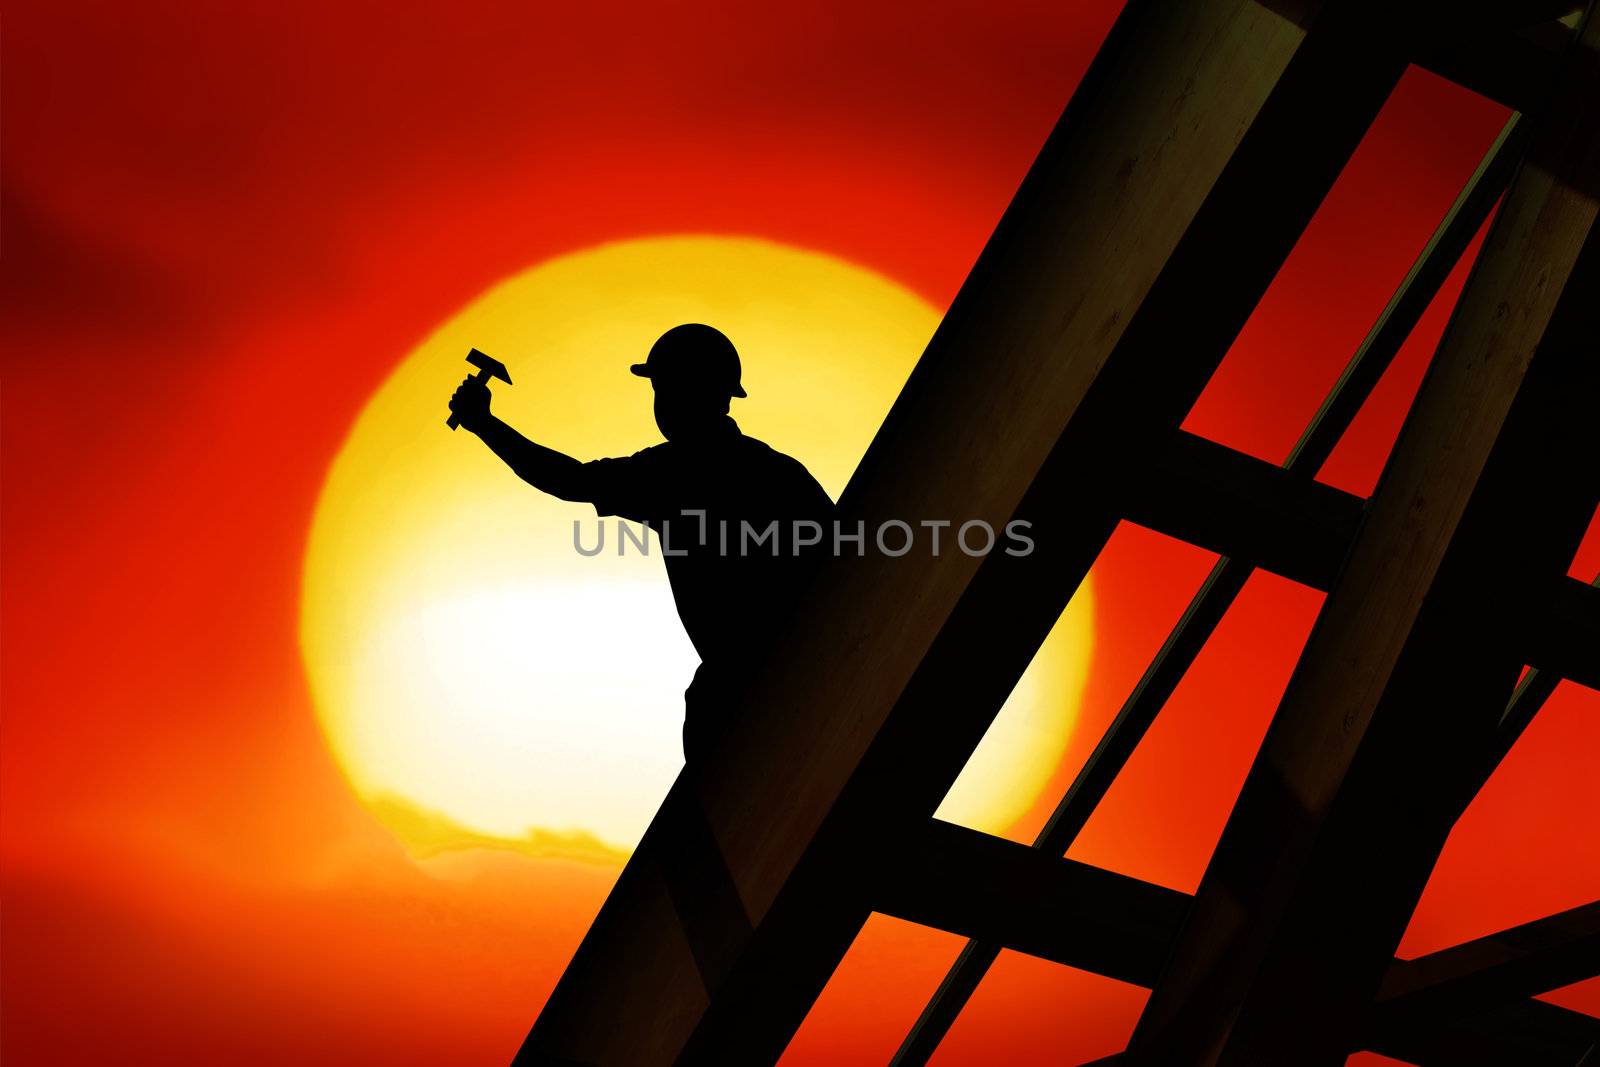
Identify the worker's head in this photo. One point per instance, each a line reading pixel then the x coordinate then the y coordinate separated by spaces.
pixel 695 371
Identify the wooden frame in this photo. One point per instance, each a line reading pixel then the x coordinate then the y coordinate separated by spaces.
pixel 1087 329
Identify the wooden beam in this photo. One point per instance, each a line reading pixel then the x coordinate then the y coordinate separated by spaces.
pixel 1491 971
pixel 1006 894
pixel 1266 517
pixel 1534 1035
pixel 1565 637
pixel 1247 509
pixel 957 879
pixel 1150 224
pixel 1532 691
pixel 1515 69
pixel 1372 753
pixel 1216 594
pixel 1529 1033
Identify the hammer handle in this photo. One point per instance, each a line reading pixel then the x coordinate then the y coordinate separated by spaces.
pixel 452 421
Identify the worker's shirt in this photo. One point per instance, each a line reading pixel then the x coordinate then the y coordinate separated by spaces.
pixel 723 507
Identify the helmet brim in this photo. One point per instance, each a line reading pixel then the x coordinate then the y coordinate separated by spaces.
pixel 643 371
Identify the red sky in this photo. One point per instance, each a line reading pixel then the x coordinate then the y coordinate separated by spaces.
pixel 223 226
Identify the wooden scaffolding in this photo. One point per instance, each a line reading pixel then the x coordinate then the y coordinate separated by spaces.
pixel 1198 147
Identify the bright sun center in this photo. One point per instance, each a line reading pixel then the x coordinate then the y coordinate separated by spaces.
pixel 478 679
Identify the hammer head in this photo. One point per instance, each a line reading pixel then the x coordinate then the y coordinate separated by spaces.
pixel 490 366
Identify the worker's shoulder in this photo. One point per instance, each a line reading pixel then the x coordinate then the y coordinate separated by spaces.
pixel 771 463
pixel 649 454
pixel 756 451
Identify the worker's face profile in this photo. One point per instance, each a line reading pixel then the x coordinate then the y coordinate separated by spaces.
pixel 681 408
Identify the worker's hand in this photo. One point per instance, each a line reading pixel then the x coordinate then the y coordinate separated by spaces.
pixel 470 404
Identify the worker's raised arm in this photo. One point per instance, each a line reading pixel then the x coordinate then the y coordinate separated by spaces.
pixel 543 468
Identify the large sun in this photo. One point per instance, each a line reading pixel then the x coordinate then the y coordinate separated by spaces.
pixel 481 681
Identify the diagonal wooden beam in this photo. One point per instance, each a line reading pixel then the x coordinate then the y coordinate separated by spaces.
pixel 1374 748
pixel 1087 329
pixel 1372 357
pixel 1258 514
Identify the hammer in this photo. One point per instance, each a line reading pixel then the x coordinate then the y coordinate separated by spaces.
pixel 487 368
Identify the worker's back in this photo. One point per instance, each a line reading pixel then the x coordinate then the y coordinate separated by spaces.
pixel 739 526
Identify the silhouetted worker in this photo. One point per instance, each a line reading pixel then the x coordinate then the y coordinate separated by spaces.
pixel 710 494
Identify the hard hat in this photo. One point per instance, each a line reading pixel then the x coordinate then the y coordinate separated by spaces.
pixel 694 355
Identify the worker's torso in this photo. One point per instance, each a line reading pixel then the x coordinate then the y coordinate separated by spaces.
pixel 723 508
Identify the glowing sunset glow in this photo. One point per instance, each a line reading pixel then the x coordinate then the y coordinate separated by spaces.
pixel 474 674
pixel 227 225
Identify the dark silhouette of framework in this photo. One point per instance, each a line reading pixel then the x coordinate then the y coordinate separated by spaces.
pixel 1188 163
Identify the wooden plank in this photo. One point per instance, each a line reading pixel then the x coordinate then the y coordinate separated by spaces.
pixel 1514 69
pixel 1530 1033
pixel 1535 688
pixel 1216 594
pixel 1564 639
pixel 1247 509
pixel 1491 971
pixel 1006 894
pixel 1532 691
pixel 1374 749
pixel 1263 515
pixel 966 882
pixel 1086 331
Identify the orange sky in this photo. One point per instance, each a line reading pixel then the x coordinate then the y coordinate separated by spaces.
pixel 224 225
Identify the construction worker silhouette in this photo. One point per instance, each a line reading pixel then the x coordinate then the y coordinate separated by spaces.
pixel 724 508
